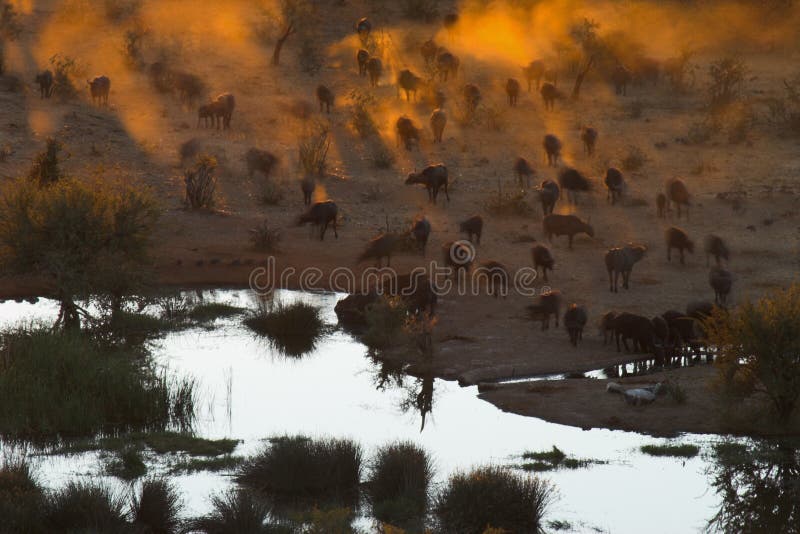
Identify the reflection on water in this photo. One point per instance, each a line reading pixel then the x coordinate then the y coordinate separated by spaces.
pixel 759 485
pixel 250 393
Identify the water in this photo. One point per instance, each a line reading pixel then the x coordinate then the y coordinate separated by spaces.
pixel 249 392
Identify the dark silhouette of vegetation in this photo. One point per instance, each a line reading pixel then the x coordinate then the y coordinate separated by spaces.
pixel 681 450
pixel 85 238
pixel 233 512
pixel 758 346
pixel 758 485
pixel 293 329
pixel 493 496
pixel 46 169
pixel 399 484
pixel 295 471
pixel 63 384
pixel 201 183
pixel 727 77
pixel 157 507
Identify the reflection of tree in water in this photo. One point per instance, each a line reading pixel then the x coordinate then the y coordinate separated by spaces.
pixel 759 486
pixel 418 389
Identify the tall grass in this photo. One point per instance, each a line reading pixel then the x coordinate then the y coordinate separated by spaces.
pixel 62 384
pixel 234 512
pixel 296 470
pixel 85 507
pixel 21 498
pixel 157 507
pixel 293 329
pixel 492 495
pixel 399 485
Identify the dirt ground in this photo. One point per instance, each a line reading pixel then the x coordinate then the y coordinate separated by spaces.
pixel 477 338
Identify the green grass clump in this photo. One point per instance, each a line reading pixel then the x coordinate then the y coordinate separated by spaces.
pixel 157 507
pixel 399 484
pixel 85 507
pixel 555 458
pixel 62 384
pixel 211 311
pixel 293 329
pixel 235 512
pixel 294 470
pixel 159 442
pixel 21 499
pixel 128 465
pixel 494 496
pixel 680 451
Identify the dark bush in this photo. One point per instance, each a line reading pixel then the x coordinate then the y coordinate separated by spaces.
pixel 492 496
pixel 157 508
pixel 398 489
pixel 291 328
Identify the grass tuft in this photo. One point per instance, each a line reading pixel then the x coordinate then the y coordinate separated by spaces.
pixel 127 465
pixel 494 496
pixel 293 329
pixel 399 484
pixel 211 311
pixel 297 469
pixel 680 451
pixel 157 508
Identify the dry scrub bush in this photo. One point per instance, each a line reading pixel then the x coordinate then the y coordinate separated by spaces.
pixel 264 237
pixel 313 149
pixel 201 183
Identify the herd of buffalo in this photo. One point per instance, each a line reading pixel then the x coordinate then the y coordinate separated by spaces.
pixel 665 335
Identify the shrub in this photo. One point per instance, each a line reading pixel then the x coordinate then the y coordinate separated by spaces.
pixel 81 507
pixel 509 204
pixel 293 328
pixel 382 157
pixel 727 77
pixel 470 502
pixel 157 507
pixel 88 238
pixel 758 350
pixel 201 184
pixel 174 307
pixel 128 465
pixel 97 391
pixel 234 512
pixel 680 450
pixel 296 470
pixel 132 48
pixel 360 116
pixel 313 150
pixel 65 69
pixel 399 483
pixel 265 238
pixel 21 498
pixel 210 311
pixel 46 169
pixel 634 159
pixel 271 193
pixel 385 320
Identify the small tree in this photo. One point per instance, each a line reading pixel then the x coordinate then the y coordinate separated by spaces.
pixel 293 13
pixel 585 35
pixel 46 169
pixel 201 184
pixel 727 77
pixel 758 348
pixel 86 238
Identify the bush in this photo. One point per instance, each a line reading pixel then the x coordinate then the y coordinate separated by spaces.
pixel 234 512
pixel 360 116
pixel 21 498
pixel 94 391
pixel 88 238
pixel 271 193
pixel 297 470
pixel 758 350
pixel 470 502
pixel 210 311
pixel 157 507
pixel 310 58
pixel 265 238
pixel 509 204
pixel 201 184
pixel 313 150
pixel 46 169
pixel 634 159
pixel 82 507
pixel 399 484
pixel 292 328
pixel 727 77
pixel 385 320
pixel 128 465
pixel 65 69
pixel 382 157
